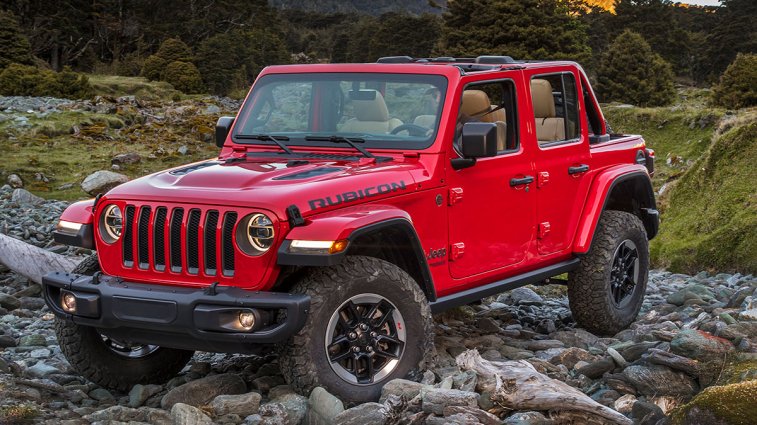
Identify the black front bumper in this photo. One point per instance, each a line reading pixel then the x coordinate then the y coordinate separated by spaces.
pixel 176 317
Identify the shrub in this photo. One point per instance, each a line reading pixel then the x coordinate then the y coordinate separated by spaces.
pixel 153 67
pixel 184 76
pixel 738 84
pixel 25 80
pixel 14 46
pixel 173 49
pixel 631 72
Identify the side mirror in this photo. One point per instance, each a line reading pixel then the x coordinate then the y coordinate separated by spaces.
pixel 223 126
pixel 479 140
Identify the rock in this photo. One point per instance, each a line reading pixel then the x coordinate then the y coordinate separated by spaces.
pixel 750 314
pixel 577 338
pixel 324 407
pixel 140 393
pixel 294 405
pixel 183 150
pixel 185 414
pixel 366 413
pixel 619 360
pixel 32 340
pixel 212 110
pixel 201 391
pixel 128 414
pixel 597 368
pixel 241 404
pixel 700 345
pixel 402 387
pixel 15 181
pixel 102 395
pixel 488 325
pixel 126 158
pixel 41 370
pixel 479 415
pixel 646 413
pixel 527 418
pixel 625 403
pixel 9 302
pixel 654 380
pixel 24 197
pixel 436 399
pixel 570 356
pixel 727 404
pixel 265 383
pixel 525 296
pixel 102 181
pixel 694 292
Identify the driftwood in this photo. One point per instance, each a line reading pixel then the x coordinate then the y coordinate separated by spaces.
pixel 30 261
pixel 517 385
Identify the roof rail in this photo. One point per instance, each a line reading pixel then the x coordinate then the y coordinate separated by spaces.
pixel 489 60
pixel 396 59
pixel 495 59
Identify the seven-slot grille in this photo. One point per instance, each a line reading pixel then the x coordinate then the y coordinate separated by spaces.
pixel 182 240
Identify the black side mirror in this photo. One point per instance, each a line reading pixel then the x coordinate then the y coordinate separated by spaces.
pixel 479 139
pixel 223 126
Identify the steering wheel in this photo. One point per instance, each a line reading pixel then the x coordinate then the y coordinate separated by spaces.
pixel 412 129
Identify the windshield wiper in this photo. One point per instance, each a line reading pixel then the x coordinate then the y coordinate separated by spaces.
pixel 341 139
pixel 279 140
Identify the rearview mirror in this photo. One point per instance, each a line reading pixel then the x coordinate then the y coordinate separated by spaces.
pixel 223 126
pixel 479 140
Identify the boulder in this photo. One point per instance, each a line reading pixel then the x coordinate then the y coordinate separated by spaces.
pixel 402 387
pixel 140 393
pixel 9 302
pixel 366 413
pixel 694 292
pixel 202 391
pixel 436 399
pixel 238 404
pixel 15 181
pixel 126 158
pixel 185 414
pixel 726 404
pixel 102 181
pixel 324 407
pixel 24 197
pixel 700 345
pixel 655 380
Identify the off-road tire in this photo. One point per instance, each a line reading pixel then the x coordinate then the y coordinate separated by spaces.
pixel 589 287
pixel 93 359
pixel 303 359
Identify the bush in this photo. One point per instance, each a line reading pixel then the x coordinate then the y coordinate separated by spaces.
pixel 738 84
pixel 14 46
pixel 173 49
pixel 631 72
pixel 184 76
pixel 153 68
pixel 25 80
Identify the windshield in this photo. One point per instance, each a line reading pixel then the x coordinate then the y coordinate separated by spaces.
pixel 398 111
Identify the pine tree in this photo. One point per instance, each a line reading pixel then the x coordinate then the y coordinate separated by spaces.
pixel 735 32
pixel 523 29
pixel 14 46
pixel 738 85
pixel 631 72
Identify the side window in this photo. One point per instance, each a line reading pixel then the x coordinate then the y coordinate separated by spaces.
pixel 491 102
pixel 555 101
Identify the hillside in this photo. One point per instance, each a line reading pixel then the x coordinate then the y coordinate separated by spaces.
pixel 370 7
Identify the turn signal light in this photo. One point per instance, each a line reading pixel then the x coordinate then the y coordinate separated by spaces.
pixel 318 247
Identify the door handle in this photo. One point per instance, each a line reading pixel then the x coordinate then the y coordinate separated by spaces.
pixel 521 181
pixel 578 169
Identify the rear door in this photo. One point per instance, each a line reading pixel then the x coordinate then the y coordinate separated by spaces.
pixel 490 220
pixel 562 160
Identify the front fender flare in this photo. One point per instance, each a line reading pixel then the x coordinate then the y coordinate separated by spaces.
pixel 82 213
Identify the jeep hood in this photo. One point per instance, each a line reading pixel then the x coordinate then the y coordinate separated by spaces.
pixel 275 185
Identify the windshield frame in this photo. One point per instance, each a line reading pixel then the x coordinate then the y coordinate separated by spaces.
pixel 439 81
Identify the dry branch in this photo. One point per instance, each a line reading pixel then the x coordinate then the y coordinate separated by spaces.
pixel 517 385
pixel 30 261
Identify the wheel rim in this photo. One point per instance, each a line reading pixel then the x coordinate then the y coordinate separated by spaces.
pixel 365 339
pixel 624 276
pixel 132 351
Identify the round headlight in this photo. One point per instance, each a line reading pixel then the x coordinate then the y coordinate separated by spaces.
pixel 111 223
pixel 260 232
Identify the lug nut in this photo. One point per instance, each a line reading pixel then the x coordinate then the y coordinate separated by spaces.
pixel 355 349
pixel 374 334
pixel 363 326
pixel 352 335
pixel 369 349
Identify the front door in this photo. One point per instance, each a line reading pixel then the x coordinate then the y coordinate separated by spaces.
pixel 492 203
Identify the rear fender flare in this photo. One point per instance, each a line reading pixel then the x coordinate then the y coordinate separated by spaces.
pixel 599 196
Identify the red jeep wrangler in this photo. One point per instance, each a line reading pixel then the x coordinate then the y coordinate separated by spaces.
pixel 348 203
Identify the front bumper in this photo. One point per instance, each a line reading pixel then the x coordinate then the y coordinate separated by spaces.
pixel 176 317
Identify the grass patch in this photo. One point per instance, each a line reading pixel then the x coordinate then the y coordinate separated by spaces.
pixel 141 88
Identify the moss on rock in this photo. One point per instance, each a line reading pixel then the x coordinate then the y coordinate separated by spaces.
pixel 732 404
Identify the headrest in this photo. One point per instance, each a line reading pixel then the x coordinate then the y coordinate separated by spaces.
pixel 475 103
pixel 544 102
pixel 371 109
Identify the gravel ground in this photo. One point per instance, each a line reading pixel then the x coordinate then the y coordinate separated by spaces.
pixel 693 332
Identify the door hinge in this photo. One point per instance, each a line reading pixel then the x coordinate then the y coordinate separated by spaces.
pixel 455 195
pixel 543 230
pixel 456 251
pixel 543 179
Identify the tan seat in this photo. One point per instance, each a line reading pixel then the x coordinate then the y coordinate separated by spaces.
pixel 476 106
pixel 549 127
pixel 371 116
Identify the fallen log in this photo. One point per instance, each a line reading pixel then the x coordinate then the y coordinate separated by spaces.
pixel 517 385
pixel 30 261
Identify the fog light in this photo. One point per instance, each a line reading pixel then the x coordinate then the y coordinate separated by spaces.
pixel 68 302
pixel 246 320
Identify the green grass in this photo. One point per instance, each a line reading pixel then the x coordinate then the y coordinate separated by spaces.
pixel 141 88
